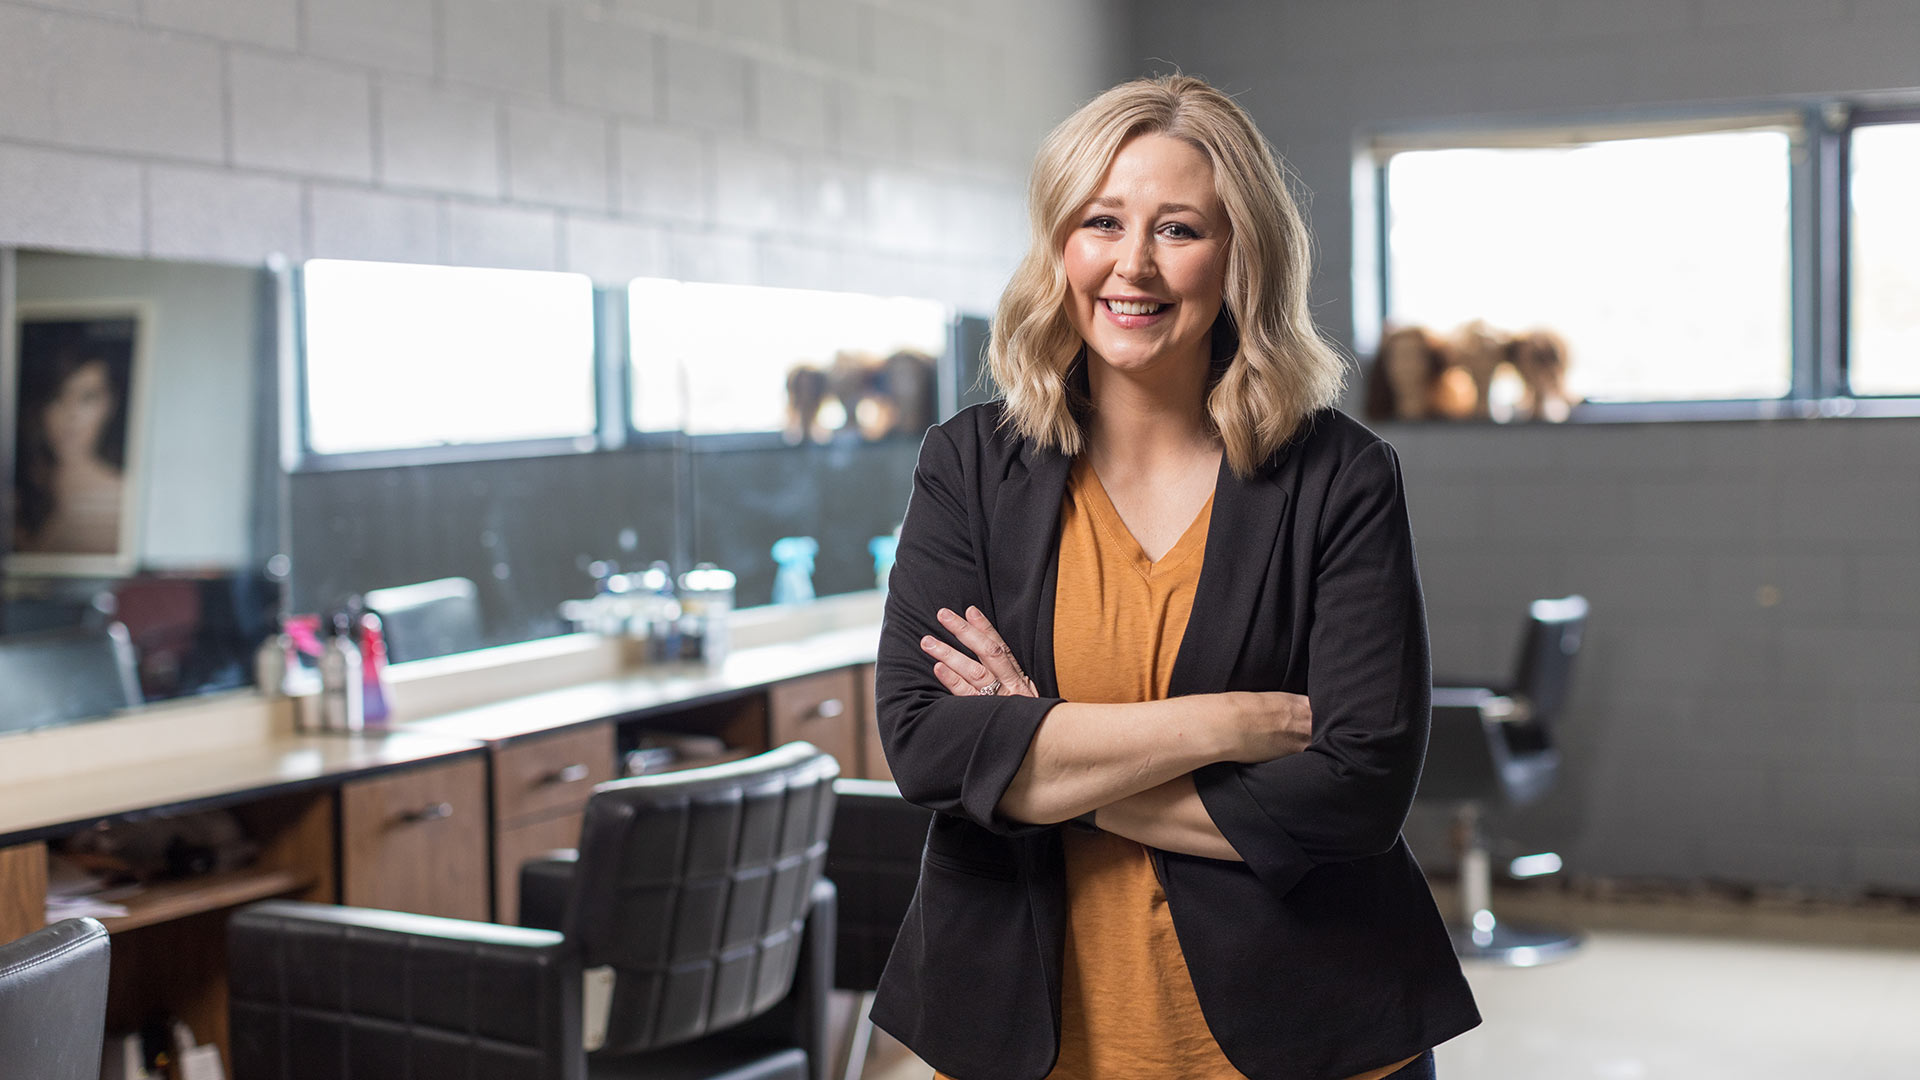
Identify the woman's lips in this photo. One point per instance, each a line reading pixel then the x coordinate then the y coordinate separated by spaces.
pixel 1134 322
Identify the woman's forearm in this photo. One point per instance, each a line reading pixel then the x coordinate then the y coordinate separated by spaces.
pixel 1170 817
pixel 1086 756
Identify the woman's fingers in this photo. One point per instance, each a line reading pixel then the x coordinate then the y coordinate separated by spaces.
pixel 978 634
pixel 951 680
pixel 969 669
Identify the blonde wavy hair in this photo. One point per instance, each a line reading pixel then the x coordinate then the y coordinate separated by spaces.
pixel 1271 366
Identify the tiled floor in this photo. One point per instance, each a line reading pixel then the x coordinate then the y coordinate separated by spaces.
pixel 1641 1006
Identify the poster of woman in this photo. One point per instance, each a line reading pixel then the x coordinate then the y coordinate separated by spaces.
pixel 80 370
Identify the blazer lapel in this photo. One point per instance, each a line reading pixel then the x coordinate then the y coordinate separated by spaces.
pixel 1247 513
pixel 1024 520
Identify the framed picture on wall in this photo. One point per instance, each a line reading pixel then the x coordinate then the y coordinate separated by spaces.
pixel 80 385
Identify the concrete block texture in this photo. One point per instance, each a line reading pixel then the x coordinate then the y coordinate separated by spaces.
pixel 713 255
pixel 394 35
pixel 558 157
pixel 502 44
pixel 762 22
pixel 791 107
pixel 756 186
pixel 438 140
pixel 832 31
pixel 80 202
pixel 868 122
pixel 116 106
pixel 292 115
pixel 509 237
pixel 665 173
pixel 357 223
pixel 258 22
pixel 119 9
pixel 211 214
pixel 905 44
pixel 1785 13
pixel 706 86
pixel 608 65
pixel 613 252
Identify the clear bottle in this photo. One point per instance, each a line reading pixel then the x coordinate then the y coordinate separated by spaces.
pixel 342 689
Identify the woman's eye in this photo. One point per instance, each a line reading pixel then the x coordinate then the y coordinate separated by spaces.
pixel 1103 223
pixel 1180 232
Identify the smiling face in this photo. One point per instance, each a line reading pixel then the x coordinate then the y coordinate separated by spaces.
pixel 1146 263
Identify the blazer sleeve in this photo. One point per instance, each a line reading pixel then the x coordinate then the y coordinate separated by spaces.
pixel 953 754
pixel 1370 684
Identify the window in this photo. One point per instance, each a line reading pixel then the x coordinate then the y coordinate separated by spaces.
pixel 729 359
pixel 1883 353
pixel 401 357
pixel 1665 262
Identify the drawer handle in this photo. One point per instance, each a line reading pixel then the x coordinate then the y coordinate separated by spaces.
pixel 830 708
pixel 572 774
pixel 433 812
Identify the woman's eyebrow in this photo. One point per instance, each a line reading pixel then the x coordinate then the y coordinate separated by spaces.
pixel 1113 202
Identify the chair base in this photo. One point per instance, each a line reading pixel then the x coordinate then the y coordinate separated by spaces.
pixel 1512 945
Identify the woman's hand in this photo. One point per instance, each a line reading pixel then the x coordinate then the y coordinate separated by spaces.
pixel 1268 725
pixel 995 671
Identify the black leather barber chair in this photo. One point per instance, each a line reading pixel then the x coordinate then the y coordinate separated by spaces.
pixel 53 1002
pixel 53 676
pixel 1493 745
pixel 690 936
pixel 429 618
pixel 875 862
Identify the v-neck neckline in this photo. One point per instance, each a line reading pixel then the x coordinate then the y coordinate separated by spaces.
pixel 1107 518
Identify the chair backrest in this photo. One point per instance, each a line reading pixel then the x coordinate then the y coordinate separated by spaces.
pixel 693 888
pixel 430 618
pixel 874 861
pixel 1545 669
pixel 53 1002
pixel 53 676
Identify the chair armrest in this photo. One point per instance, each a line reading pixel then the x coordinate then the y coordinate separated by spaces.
pixel 353 992
pixel 546 883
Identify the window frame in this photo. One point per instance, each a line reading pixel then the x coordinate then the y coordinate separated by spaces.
pixel 1819 137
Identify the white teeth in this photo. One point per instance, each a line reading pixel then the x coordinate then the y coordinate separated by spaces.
pixel 1133 307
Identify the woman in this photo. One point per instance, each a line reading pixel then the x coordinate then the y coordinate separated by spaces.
pixel 72 449
pixel 1155 651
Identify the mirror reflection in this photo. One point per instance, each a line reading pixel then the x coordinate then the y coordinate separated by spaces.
pixel 143 501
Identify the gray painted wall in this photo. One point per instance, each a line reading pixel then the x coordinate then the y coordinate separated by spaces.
pixel 1712 734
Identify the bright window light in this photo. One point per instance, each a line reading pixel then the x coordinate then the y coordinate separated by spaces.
pixel 401 356
pixel 1883 330
pixel 714 359
pixel 1663 261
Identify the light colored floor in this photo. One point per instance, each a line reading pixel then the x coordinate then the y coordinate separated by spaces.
pixel 1644 1006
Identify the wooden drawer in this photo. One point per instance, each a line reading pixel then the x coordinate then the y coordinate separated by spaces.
pixel 417 840
pixel 514 846
pixel 873 757
pixel 821 709
pixel 543 776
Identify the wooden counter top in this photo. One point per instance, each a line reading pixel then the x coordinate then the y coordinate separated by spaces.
pixel 662 687
pixel 33 810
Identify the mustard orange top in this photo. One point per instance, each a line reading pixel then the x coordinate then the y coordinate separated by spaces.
pixel 1127 1005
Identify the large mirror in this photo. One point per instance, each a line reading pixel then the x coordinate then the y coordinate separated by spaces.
pixel 144 501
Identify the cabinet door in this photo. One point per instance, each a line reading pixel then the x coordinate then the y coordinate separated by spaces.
pixel 873 756
pixel 550 774
pixel 417 841
pixel 820 709
pixel 514 846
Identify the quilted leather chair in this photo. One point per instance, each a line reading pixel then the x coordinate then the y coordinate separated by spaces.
pixel 691 936
pixel 875 862
pixel 1493 744
pixel 53 1002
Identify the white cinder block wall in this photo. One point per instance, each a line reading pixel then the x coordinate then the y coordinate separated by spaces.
pixel 875 145
pixel 1748 707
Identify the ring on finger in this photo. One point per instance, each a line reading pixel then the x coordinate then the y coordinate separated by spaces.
pixel 990 689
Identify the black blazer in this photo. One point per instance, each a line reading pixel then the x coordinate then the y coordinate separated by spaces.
pixel 1319 957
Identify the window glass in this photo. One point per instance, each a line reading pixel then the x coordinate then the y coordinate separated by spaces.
pixel 716 359
pixel 1883 333
pixel 401 356
pixel 1664 262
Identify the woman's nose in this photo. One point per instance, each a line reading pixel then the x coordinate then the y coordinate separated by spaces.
pixel 1135 259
